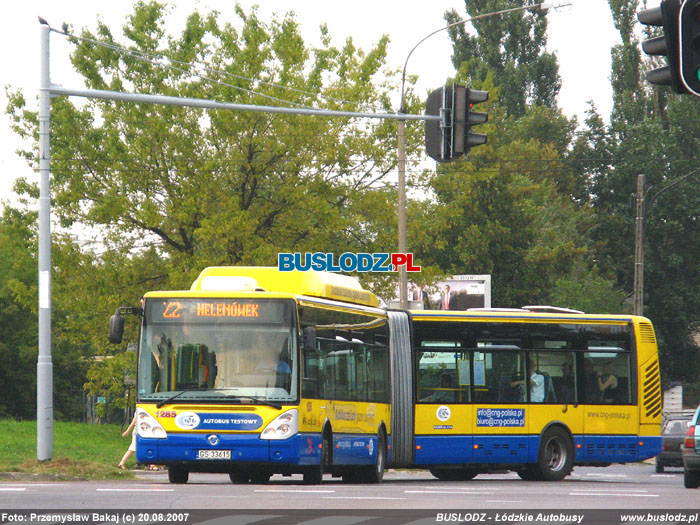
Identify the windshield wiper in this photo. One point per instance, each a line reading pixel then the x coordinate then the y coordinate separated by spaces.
pixel 169 399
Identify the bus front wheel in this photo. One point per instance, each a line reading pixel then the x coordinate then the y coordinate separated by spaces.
pixel 177 474
pixel 239 477
pixel 314 476
pixel 555 457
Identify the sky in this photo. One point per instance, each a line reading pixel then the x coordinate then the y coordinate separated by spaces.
pixel 581 35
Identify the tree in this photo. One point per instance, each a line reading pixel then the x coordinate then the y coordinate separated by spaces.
pixel 655 133
pixel 221 187
pixel 18 318
pixel 511 47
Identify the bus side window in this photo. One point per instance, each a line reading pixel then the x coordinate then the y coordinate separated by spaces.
pixel 310 386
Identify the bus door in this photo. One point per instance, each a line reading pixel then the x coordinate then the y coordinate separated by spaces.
pixel 443 410
pixel 611 421
pixel 555 395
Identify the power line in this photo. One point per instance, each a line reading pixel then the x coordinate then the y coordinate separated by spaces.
pixel 151 58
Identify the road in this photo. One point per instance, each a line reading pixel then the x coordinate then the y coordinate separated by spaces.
pixel 623 487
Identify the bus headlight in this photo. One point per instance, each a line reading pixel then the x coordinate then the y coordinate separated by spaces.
pixel 283 426
pixel 147 426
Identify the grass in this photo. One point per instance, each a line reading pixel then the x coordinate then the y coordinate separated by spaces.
pixel 79 450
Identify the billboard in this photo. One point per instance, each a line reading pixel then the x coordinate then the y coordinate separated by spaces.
pixel 459 292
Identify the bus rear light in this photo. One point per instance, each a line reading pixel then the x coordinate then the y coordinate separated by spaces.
pixel 689 441
pixel 283 426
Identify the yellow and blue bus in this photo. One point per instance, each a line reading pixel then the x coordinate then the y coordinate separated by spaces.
pixel 254 372
pixel 536 391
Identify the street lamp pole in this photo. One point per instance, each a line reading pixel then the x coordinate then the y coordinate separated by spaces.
pixel 642 203
pixel 403 278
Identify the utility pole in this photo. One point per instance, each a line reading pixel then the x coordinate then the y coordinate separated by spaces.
pixel 639 248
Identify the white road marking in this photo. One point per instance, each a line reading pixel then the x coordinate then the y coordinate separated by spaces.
pixel 441 487
pixel 604 475
pixel 505 501
pixel 358 497
pixel 299 491
pixel 10 489
pixel 622 494
pixel 135 490
pixel 446 492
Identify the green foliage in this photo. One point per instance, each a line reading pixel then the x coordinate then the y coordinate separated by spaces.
pixel 112 377
pixel 656 134
pixel 18 321
pixel 80 450
pixel 224 187
pixel 511 47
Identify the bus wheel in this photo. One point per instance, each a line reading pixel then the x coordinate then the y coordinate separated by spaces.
pixel 555 457
pixel 529 473
pixel 658 467
pixel 454 474
pixel 260 478
pixel 239 477
pixel 314 476
pixel 375 473
pixel 691 479
pixel 177 474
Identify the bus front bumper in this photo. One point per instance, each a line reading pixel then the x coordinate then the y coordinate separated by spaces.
pixel 300 449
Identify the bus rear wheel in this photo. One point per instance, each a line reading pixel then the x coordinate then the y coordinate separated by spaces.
pixel 529 473
pixel 691 479
pixel 177 474
pixel 454 474
pixel 555 457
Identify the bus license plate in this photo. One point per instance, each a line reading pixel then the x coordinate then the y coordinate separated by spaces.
pixel 213 454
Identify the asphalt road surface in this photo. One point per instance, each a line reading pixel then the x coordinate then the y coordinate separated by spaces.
pixel 617 487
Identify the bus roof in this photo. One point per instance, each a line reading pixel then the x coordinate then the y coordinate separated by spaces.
pixel 522 315
pixel 325 285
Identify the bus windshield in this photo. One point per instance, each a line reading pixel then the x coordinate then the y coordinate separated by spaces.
pixel 232 350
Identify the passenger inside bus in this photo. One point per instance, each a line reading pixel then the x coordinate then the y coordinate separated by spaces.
pixel 446 393
pixel 536 382
pixel 607 383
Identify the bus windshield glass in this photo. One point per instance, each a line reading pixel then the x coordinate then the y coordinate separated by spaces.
pixel 227 350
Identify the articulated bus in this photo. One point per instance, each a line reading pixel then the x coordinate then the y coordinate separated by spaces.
pixel 533 391
pixel 254 372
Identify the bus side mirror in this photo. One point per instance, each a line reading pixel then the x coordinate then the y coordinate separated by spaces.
pixel 116 328
pixel 309 339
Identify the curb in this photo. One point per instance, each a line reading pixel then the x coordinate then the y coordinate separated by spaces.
pixel 27 476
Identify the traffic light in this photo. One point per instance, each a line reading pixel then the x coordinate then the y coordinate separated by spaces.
pixel 451 137
pixel 666 16
pixel 689 29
